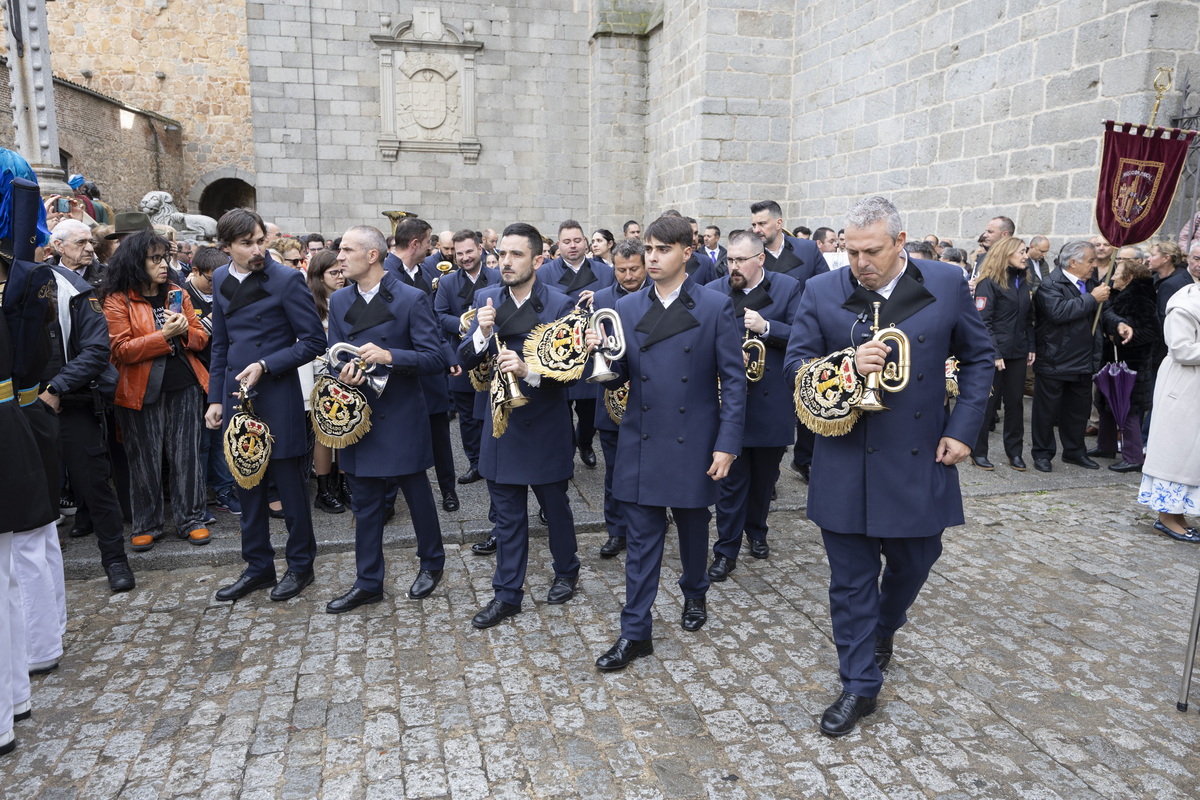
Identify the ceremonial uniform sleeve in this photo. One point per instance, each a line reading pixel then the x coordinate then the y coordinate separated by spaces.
pixel 732 371
pixel 971 345
pixel 468 355
pixel 91 334
pixel 219 355
pixel 807 340
pixel 441 308
pixel 426 357
pixel 301 311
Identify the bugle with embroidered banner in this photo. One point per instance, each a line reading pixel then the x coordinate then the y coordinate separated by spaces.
pixel 1138 175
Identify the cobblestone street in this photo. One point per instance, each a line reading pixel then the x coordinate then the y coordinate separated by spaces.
pixel 1042 661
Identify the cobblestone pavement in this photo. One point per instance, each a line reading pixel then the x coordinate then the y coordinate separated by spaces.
pixel 1042 661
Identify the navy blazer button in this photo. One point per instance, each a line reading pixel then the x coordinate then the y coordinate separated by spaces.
pixel 914 451
pixel 258 344
pixel 680 440
pixel 920 376
pixel 687 348
pixel 383 338
pixel 870 450
pixel 644 349
pixel 684 379
pixel 645 408
pixel 765 392
pixel 258 317
pixel 645 378
pixel 917 415
pixel 682 410
pixel 920 338
pixel 645 436
pixel 527 423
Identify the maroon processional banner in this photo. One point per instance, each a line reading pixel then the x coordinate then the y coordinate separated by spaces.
pixel 1138 175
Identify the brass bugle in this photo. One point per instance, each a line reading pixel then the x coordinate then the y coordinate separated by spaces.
pixel 464 321
pixel 894 375
pixel 756 367
pixel 612 347
pixel 377 378
pixel 512 397
pixel 443 267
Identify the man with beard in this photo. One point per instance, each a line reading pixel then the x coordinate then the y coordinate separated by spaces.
pixel 265 326
pixel 455 294
pixel 534 451
pixel 765 304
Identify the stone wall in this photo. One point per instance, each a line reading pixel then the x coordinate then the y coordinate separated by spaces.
pixel 961 111
pixel 127 152
pixel 198 46
pixel 318 117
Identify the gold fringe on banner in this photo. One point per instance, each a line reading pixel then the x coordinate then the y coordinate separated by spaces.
pixel 341 414
pixel 557 349
pixel 614 402
pixel 827 394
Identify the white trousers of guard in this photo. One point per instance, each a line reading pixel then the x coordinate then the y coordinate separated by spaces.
pixel 38 565
pixel 14 664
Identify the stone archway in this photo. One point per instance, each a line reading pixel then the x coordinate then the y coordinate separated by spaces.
pixel 222 189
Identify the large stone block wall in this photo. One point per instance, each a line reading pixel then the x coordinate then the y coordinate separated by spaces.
pixel 617 166
pixel 317 118
pixel 127 153
pixel 199 46
pixel 960 111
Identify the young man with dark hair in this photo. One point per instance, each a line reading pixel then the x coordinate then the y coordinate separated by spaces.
pixel 573 273
pixel 680 432
pixel 265 326
pixel 534 451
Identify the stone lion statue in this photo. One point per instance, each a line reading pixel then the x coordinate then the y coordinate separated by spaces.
pixel 160 206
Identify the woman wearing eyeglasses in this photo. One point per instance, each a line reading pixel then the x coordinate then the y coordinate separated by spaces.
pixel 156 338
pixel 290 252
pixel 325 277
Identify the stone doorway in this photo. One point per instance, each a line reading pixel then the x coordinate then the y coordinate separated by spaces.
pixel 224 194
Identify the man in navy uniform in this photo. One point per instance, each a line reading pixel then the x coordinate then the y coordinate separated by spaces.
pixel 678 435
pixel 801 259
pixel 889 485
pixel 765 304
pixel 629 267
pixel 571 273
pixel 265 326
pixel 391 324
pixel 455 294
pixel 412 239
pixel 535 450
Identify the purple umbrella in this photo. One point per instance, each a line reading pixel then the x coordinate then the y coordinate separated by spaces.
pixel 1115 382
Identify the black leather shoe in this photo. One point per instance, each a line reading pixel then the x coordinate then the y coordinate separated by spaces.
pixel 588 456
pixel 120 577
pixel 1082 461
pixel 387 515
pixel 1017 463
pixel 450 500
pixel 470 476
pixel 624 651
pixel 883 652
pixel 485 548
pixel 695 614
pixel 841 717
pixel 982 463
pixel 293 583
pixel 561 590
pixel 8 747
pixel 759 548
pixel 1042 464
pixel 79 529
pixel 351 600
pixel 494 613
pixel 802 471
pixel 1096 452
pixel 244 586
pixel 720 568
pixel 24 711
pixel 614 545
pixel 427 580
pixel 276 513
pixel 542 516
pixel 1125 466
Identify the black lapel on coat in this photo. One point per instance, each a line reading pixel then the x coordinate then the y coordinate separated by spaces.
pixel 758 298
pixel 909 297
pixel 577 281
pixel 676 319
pixel 513 321
pixel 245 292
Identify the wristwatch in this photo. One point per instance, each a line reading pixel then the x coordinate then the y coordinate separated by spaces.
pixel 262 363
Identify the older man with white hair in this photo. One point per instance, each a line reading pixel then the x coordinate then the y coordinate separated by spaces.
pixel 74 248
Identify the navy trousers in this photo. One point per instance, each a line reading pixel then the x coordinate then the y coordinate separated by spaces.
pixel 511 504
pixel 585 431
pixel 369 504
pixel 643 561
pixel 746 498
pixel 802 452
pixel 861 606
pixel 443 453
pixel 469 427
pixel 614 510
pixel 292 486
